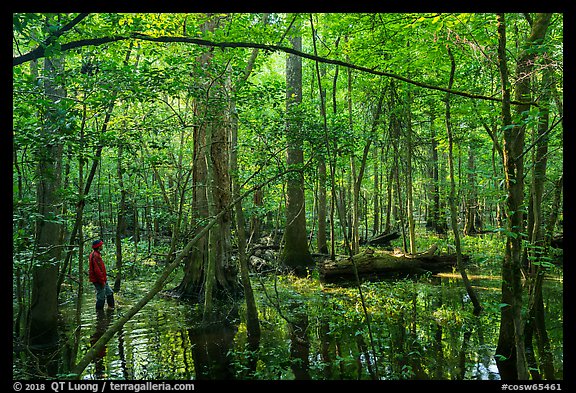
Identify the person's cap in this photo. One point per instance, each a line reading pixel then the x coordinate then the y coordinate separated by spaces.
pixel 97 243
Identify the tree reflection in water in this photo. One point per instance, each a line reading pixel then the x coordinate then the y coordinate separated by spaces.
pixel 211 346
pixel 103 319
pixel 422 330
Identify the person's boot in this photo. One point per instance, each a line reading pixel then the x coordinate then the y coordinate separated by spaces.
pixel 110 301
pixel 99 305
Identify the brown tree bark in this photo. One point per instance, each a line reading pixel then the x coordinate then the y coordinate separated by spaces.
pixel 386 264
pixel 435 219
pixel 321 241
pixel 210 273
pixel 472 219
pixel 452 198
pixel 295 255
pixel 511 357
pixel 43 313
pixel 252 321
pixel 536 321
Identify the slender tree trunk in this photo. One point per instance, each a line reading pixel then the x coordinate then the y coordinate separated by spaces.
pixel 213 239
pixel 359 177
pixel 354 221
pixel 389 199
pixel 409 198
pixel 377 191
pixel 395 134
pixel 252 321
pixel 81 257
pixel 121 223
pixel 472 223
pixel 321 241
pixel 434 219
pixel 453 212
pixel 510 353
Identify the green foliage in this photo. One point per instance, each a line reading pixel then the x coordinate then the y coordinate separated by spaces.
pixel 150 94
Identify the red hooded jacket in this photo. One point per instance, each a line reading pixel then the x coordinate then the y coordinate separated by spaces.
pixel 96 268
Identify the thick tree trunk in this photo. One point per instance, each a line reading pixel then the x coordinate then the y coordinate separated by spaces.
pixel 209 271
pixel 511 357
pixel 191 285
pixel 295 254
pixel 536 317
pixel 221 281
pixel 43 313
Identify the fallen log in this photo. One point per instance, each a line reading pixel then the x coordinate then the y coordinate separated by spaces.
pixel 384 264
pixel 383 239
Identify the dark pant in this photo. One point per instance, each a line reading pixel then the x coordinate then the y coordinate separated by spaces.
pixel 103 294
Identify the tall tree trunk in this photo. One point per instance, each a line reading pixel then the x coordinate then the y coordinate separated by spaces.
pixel 377 191
pixel 221 279
pixel 389 199
pixel 213 238
pixel 409 199
pixel 472 222
pixel 453 212
pixel 121 222
pixel 395 135
pixel 435 218
pixel 539 248
pixel 511 357
pixel 354 235
pixel 43 313
pixel 321 241
pixel 210 273
pixel 358 178
pixel 296 254
pixel 252 321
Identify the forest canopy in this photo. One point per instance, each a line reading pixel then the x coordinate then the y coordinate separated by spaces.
pixel 197 135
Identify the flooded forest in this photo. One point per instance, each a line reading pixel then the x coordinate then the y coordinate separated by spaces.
pixel 287 196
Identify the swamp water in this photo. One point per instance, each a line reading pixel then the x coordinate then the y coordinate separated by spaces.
pixel 419 329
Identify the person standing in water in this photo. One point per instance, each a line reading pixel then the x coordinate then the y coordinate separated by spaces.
pixel 97 275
